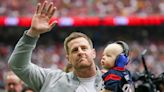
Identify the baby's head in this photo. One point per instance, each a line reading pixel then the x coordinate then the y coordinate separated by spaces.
pixel 115 55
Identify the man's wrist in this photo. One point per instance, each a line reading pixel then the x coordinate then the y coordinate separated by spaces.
pixel 32 33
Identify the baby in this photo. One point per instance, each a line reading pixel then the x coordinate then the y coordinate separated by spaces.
pixel 114 59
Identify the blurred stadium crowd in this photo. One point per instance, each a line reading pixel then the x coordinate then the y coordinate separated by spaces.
pixel 53 56
pixel 86 7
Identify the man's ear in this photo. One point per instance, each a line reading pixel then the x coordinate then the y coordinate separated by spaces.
pixel 67 56
pixel 94 53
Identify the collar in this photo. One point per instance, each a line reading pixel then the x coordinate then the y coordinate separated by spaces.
pixel 98 75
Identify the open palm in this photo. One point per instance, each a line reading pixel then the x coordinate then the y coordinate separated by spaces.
pixel 40 21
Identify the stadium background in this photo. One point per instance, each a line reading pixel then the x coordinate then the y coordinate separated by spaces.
pixel 140 23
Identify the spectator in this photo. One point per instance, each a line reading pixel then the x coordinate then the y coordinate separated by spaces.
pixel 12 82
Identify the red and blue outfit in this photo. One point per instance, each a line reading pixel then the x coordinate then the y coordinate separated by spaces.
pixel 115 78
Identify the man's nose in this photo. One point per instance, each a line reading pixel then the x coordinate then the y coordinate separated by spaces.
pixel 80 52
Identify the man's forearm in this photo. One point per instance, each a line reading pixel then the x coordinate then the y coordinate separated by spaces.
pixel 21 55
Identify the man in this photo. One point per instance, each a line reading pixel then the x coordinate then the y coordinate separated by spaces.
pixel 12 82
pixel 85 77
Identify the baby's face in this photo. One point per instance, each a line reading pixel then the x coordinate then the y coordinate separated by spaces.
pixel 109 55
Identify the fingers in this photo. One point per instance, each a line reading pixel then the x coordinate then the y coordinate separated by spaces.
pixel 51 10
pixel 49 7
pixel 38 7
pixel 46 9
pixel 52 25
pixel 43 8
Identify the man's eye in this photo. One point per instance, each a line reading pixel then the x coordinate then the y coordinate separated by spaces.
pixel 84 48
pixel 75 50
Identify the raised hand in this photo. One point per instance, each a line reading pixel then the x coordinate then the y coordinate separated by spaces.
pixel 40 21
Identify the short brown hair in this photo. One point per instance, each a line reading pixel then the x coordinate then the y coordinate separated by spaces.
pixel 75 35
